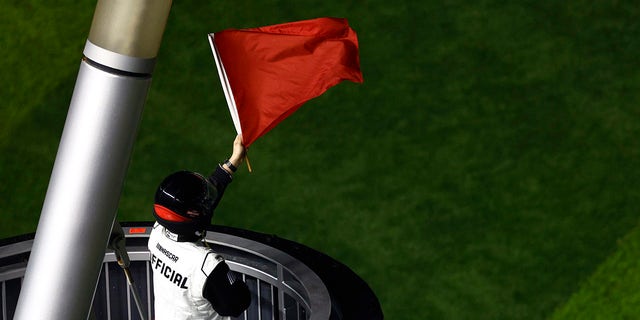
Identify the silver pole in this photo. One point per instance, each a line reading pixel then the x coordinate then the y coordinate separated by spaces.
pixel 95 148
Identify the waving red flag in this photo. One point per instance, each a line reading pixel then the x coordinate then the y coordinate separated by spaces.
pixel 269 72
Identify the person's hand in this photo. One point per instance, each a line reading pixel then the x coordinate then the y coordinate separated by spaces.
pixel 239 152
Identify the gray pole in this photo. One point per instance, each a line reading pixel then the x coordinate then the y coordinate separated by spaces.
pixel 92 160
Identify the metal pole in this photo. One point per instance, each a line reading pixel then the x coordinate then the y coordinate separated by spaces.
pixel 93 156
pixel 117 243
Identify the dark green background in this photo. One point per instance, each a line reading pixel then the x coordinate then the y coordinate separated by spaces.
pixel 486 169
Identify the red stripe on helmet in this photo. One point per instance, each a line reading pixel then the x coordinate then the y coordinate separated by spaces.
pixel 168 214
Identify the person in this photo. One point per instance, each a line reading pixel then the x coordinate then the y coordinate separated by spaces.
pixel 190 281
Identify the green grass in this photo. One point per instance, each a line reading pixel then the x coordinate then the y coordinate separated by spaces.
pixel 486 169
pixel 612 291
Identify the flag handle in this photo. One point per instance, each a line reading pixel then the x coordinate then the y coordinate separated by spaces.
pixel 246 158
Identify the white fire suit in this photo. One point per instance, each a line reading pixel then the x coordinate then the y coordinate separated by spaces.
pixel 180 272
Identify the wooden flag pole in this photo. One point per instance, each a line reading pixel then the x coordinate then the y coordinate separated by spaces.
pixel 246 158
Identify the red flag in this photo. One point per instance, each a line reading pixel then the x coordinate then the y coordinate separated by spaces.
pixel 272 71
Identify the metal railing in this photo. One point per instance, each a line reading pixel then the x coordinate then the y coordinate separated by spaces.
pixel 282 287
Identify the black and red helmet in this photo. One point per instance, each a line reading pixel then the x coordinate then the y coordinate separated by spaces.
pixel 184 203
